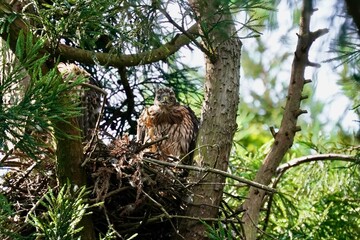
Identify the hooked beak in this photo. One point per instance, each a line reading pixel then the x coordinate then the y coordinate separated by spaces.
pixel 165 99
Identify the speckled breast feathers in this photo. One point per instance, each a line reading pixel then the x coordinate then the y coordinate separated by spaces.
pixel 168 118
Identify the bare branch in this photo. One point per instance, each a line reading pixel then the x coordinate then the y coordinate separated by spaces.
pixel 298 161
pixel 288 128
pixel 212 170
pixel 313 158
pixel 148 144
pixel 191 37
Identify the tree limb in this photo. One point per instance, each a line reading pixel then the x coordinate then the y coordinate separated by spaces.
pixel 284 138
pixel 191 37
pixel 313 158
pixel 91 58
pixel 298 161
pixel 212 170
pixel 108 59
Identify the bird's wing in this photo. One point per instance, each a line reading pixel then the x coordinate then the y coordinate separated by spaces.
pixel 141 126
pixel 195 121
pixel 194 131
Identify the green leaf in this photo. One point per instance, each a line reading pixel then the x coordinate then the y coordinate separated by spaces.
pixel 20 46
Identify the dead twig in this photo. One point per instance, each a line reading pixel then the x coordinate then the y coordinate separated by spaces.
pixel 26 174
pixel 313 158
pixel 146 145
pixel 211 170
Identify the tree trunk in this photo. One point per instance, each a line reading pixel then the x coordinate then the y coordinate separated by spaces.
pixel 69 147
pixel 69 153
pixel 222 48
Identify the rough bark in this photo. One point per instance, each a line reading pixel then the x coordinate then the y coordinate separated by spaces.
pixel 69 154
pixel 218 114
pixel 69 151
pixel 285 137
pixel 107 59
pixel 89 57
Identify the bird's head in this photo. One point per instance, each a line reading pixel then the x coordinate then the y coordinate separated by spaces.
pixel 165 97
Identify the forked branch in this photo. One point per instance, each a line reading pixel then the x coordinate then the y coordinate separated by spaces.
pixel 284 138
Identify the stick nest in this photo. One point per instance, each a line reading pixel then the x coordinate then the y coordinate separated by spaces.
pixel 137 196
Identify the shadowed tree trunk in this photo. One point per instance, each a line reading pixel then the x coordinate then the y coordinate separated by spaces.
pixel 353 9
pixel 69 153
pixel 222 53
pixel 69 150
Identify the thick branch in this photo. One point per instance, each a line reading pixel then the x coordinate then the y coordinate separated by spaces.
pixel 106 59
pixel 285 137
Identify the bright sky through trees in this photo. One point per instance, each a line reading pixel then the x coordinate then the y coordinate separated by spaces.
pixel 325 89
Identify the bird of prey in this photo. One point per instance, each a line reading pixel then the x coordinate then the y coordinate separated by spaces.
pixel 168 118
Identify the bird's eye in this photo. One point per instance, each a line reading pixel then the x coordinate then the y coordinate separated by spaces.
pixel 158 98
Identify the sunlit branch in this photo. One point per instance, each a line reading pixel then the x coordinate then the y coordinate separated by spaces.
pixel 284 138
pixel 211 170
pixel 313 158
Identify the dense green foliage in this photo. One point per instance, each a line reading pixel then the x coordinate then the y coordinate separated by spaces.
pixel 5 212
pixel 62 215
pixel 317 200
pixel 31 106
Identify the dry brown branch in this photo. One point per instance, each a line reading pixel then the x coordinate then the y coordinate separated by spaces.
pixel 191 37
pixel 25 174
pixel 231 213
pixel 119 190
pixel 167 215
pixel 162 216
pixel 285 136
pixel 212 170
pixel 6 155
pixel 148 144
pixel 313 158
